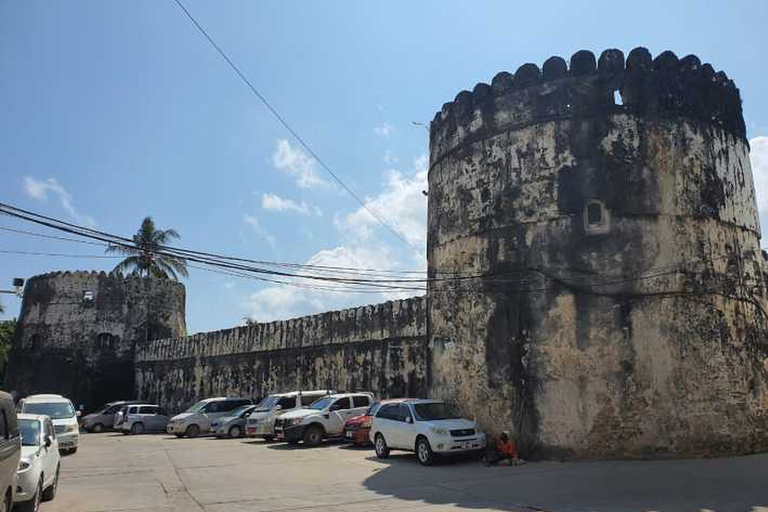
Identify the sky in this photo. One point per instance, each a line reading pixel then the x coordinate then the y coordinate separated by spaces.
pixel 111 111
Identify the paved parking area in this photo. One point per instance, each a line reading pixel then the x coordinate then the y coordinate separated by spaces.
pixel 111 472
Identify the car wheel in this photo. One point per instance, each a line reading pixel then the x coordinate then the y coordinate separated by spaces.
pixel 269 439
pixel 313 436
pixel 50 492
pixel 235 432
pixel 97 428
pixel 137 428
pixel 380 445
pixel 32 505
pixel 424 452
pixel 192 431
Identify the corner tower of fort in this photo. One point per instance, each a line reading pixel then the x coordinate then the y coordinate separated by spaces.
pixel 82 345
pixel 597 283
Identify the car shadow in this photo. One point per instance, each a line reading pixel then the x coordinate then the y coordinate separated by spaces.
pixel 735 484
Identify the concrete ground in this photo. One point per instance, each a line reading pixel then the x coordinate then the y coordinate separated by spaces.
pixel 111 472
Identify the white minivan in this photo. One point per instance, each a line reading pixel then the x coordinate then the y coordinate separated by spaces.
pixel 62 413
pixel 427 427
pixel 261 422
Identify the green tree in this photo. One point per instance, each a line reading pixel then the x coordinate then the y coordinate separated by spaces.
pixel 7 329
pixel 145 259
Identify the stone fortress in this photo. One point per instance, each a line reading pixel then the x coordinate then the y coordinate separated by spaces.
pixel 596 279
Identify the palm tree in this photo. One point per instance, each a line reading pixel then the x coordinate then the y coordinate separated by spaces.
pixel 147 258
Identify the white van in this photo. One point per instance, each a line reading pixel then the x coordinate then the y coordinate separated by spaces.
pixel 261 422
pixel 61 412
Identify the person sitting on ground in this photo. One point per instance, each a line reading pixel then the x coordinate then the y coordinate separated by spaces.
pixel 506 452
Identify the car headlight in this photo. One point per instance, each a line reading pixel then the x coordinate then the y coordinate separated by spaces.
pixel 366 424
pixel 439 431
pixel 71 428
pixel 24 465
pixel 294 421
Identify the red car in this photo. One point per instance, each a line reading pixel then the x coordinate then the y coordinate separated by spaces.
pixel 357 429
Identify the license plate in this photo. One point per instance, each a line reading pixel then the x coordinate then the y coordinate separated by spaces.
pixel 466 445
pixel 350 434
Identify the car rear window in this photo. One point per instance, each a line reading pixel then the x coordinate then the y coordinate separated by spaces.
pixel 361 401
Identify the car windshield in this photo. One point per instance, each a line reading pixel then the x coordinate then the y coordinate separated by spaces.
pixel 56 410
pixel 434 411
pixel 321 404
pixel 268 403
pixel 372 409
pixel 240 410
pixel 197 407
pixel 30 432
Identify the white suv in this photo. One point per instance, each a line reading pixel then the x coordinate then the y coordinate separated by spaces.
pixel 61 412
pixel 261 422
pixel 324 418
pixel 427 427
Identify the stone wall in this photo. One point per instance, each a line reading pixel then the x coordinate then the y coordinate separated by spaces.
pixel 604 221
pixel 380 348
pixel 84 349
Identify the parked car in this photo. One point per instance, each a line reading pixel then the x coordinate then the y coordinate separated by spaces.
pixel 427 427
pixel 197 419
pixel 261 423
pixel 10 452
pixel 143 418
pixel 61 412
pixel 358 428
pixel 104 418
pixel 38 473
pixel 325 418
pixel 233 424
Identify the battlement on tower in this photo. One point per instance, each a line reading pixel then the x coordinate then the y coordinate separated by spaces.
pixel 662 87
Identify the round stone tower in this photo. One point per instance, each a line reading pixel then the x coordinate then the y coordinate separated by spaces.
pixel 597 282
pixel 78 330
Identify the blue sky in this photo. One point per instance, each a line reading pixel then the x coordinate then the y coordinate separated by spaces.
pixel 110 111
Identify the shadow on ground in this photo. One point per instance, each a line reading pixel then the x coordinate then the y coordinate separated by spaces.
pixel 733 484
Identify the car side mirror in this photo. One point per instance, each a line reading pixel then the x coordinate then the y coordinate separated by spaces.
pixel 48 441
pixel 278 407
pixel 79 413
pixel 408 419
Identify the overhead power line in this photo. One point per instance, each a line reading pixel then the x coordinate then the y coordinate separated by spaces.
pixel 290 129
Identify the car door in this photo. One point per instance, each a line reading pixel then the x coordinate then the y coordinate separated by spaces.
pixel 51 452
pixel 386 423
pixel 360 404
pixel 406 428
pixel 161 419
pixel 150 415
pixel 338 414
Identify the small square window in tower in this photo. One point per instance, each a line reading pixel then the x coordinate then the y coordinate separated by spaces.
pixel 596 218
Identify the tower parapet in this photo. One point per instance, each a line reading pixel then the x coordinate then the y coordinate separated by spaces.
pixel 78 331
pixel 609 210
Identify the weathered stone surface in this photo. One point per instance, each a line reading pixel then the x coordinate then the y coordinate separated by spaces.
pixel 85 352
pixel 644 335
pixel 380 348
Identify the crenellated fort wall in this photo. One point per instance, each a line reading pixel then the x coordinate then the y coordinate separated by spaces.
pixel 380 348
pixel 609 207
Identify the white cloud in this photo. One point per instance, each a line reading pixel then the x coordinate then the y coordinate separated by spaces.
pixel 385 130
pixel 39 189
pixel 297 164
pixel 401 205
pixel 254 224
pixel 275 203
pixel 286 301
pixel 390 158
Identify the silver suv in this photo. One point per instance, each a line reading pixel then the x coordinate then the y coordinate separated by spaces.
pixel 144 418
pixel 10 451
pixel 197 419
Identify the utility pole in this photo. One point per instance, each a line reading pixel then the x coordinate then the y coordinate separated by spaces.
pixel 18 286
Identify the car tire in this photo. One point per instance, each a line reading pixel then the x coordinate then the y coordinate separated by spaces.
pixel 235 432
pixel 313 436
pixel 292 442
pixel 32 505
pixel 137 428
pixel 50 492
pixel 192 431
pixel 97 428
pixel 380 446
pixel 269 439
pixel 424 452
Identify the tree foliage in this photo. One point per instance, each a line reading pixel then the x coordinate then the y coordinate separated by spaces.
pixel 144 259
pixel 7 330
